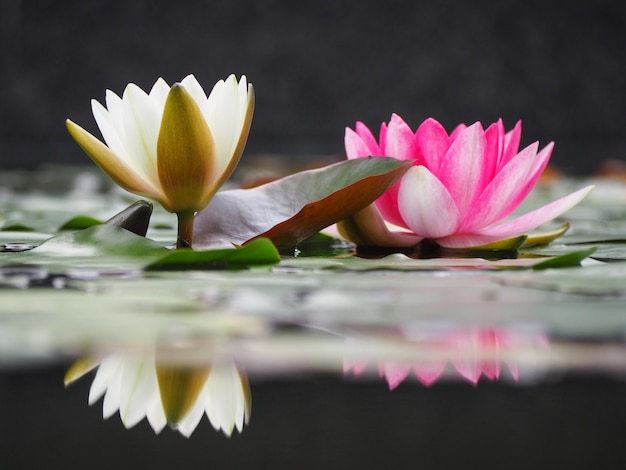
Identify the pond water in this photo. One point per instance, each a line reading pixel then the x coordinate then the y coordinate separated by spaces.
pixel 335 360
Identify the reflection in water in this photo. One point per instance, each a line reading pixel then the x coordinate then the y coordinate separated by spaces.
pixel 179 393
pixel 168 394
pixel 468 353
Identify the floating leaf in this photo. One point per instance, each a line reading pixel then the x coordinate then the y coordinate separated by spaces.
pixel 402 262
pixel 32 238
pixel 17 227
pixel 292 209
pixel 256 253
pixel 100 240
pixel 567 260
pixel 80 222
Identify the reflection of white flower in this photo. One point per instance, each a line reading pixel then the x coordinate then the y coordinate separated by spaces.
pixel 225 398
pixel 177 396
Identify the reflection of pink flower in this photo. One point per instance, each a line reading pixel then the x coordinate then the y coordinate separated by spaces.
pixel 472 353
pixel 462 185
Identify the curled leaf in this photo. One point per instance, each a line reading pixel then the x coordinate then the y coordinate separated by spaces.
pixel 292 209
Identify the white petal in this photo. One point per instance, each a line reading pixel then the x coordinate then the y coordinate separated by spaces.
pixel 107 370
pixel 225 114
pixel 426 205
pixel 139 389
pixel 142 121
pixel 107 123
pixel 225 398
pixel 156 415
pixel 116 109
pixel 111 402
pixel 194 88
pixel 159 92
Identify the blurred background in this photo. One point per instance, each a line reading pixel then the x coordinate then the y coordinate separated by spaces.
pixel 319 66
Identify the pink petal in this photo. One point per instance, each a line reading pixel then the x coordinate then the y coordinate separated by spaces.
pixel 425 204
pixel 457 130
pixel 534 219
pixel 368 138
pixel 511 144
pixel 400 142
pixel 357 367
pixel 429 372
pixel 433 143
pixel 461 169
pixel 468 368
pixel 539 164
pixel 387 204
pixel 494 140
pixel 514 369
pixel 501 193
pixel 382 138
pixel 355 146
pixel 517 226
pixel 394 373
pixel 490 351
pixel 465 346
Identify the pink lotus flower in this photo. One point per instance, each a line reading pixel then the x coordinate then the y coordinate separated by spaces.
pixel 460 188
pixel 472 353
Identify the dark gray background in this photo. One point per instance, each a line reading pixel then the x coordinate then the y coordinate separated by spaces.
pixel 318 66
pixel 324 422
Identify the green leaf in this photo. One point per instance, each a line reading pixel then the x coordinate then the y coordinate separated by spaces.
pixel 80 222
pixel 259 252
pixel 17 227
pixel 293 208
pixel 510 244
pixel 565 261
pixel 545 237
pixel 100 240
pixel 402 262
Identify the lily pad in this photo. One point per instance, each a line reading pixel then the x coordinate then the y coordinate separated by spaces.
pixel 567 260
pixel 256 253
pixel 292 209
pixel 80 222
pixel 401 262
pixel 100 240
pixel 17 227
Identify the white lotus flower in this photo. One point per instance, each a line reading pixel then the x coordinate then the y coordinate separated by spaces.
pixel 173 145
pixel 174 395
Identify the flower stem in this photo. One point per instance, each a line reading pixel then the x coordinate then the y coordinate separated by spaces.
pixel 185 229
